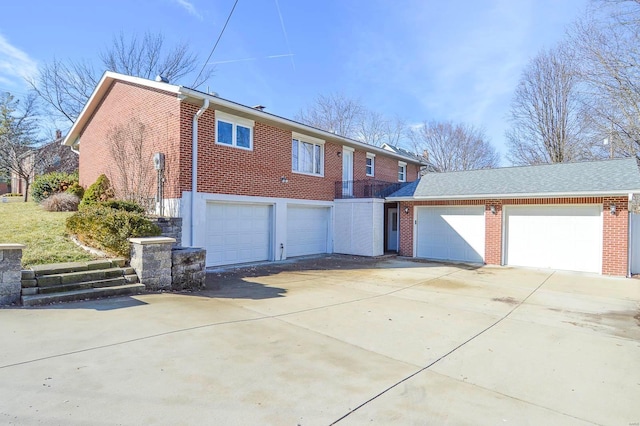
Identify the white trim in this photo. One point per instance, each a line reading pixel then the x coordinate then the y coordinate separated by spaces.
pixel 235 121
pixel 313 141
pixel 372 157
pixel 348 148
pixel 307 138
pixel 404 174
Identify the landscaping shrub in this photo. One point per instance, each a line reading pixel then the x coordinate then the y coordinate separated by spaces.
pixel 52 183
pixel 109 229
pixel 61 202
pixel 127 206
pixel 76 189
pixel 98 191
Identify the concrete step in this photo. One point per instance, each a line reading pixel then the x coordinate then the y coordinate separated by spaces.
pixel 52 280
pixel 59 288
pixel 62 268
pixel 84 294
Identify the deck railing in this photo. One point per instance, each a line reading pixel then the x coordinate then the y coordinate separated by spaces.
pixel 368 188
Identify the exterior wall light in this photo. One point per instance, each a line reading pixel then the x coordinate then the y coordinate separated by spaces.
pixel 493 209
pixel 284 179
pixel 406 210
pixel 612 209
pixel 339 153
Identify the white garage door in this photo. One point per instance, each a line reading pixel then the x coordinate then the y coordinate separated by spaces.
pixel 450 233
pixel 307 230
pixel 556 237
pixel 238 233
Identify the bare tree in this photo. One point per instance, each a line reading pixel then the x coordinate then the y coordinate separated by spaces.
pixel 607 41
pixel 334 113
pixel 18 138
pixel 546 116
pixel 347 117
pixel 454 147
pixel 131 171
pixel 66 86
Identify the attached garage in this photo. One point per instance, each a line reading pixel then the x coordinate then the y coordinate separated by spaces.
pixel 450 233
pixel 238 233
pixel 307 230
pixel 557 237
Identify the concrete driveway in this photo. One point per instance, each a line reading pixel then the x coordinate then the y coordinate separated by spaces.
pixel 334 340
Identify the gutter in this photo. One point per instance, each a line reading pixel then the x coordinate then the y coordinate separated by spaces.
pixel 512 196
pixel 194 164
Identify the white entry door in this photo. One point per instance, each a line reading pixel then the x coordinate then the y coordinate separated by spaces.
pixel 347 171
pixel 238 233
pixel 392 229
pixel 450 233
pixel 556 237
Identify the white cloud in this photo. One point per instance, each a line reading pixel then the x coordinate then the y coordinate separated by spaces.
pixel 15 65
pixel 189 7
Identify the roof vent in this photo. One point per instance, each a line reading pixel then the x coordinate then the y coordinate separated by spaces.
pixel 260 107
pixel 162 79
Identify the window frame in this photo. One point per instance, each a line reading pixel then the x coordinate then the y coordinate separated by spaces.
pixel 402 165
pixel 315 142
pixel 235 121
pixel 372 157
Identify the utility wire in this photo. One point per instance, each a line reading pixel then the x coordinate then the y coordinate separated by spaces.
pixel 217 41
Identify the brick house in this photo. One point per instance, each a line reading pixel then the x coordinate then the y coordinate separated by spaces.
pixel 572 216
pixel 266 188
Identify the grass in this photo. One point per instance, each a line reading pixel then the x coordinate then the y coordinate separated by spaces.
pixel 41 231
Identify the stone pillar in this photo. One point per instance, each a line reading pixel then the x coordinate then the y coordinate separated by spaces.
pixel 151 259
pixel 10 273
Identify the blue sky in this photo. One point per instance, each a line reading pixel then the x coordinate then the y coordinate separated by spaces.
pixel 444 60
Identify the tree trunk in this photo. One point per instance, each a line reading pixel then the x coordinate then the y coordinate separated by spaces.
pixel 26 190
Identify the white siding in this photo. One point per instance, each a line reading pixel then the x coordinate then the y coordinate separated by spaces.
pixel 359 227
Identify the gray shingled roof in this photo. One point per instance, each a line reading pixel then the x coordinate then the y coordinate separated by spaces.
pixel 620 176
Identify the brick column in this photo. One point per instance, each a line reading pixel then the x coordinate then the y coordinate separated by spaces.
pixel 493 233
pixel 615 236
pixel 151 259
pixel 406 229
pixel 10 273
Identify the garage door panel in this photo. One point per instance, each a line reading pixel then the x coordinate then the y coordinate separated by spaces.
pixel 451 233
pixel 307 230
pixel 555 237
pixel 237 233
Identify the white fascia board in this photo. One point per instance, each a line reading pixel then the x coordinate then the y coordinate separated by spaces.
pixel 98 93
pixel 299 127
pixel 515 196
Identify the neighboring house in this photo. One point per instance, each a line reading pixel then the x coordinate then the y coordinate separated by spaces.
pixel 50 157
pixel 427 166
pixel 266 188
pixel 570 216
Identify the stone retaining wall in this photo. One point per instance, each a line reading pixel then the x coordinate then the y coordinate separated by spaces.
pixel 10 273
pixel 188 268
pixel 171 227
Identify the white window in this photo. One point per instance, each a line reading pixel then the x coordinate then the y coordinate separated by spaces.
pixel 307 155
pixel 234 131
pixel 402 171
pixel 371 164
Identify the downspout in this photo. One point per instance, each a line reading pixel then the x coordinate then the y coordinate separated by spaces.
pixel 194 164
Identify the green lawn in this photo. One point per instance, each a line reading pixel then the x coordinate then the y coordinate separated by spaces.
pixel 41 231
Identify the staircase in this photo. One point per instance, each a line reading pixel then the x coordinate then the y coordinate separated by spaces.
pixel 65 282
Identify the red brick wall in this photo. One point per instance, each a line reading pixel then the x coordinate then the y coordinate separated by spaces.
pixel 615 227
pixel 228 170
pixel 157 110
pixel 615 236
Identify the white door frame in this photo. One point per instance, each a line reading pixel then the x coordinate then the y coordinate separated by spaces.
pixel 347 171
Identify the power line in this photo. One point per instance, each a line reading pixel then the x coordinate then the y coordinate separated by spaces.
pixel 217 41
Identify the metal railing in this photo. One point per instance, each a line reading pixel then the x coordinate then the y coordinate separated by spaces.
pixel 368 188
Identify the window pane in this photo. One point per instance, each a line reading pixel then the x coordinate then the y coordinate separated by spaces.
pixel 225 133
pixel 294 155
pixel 318 158
pixel 369 166
pixel 401 172
pixel 243 136
pixel 306 158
